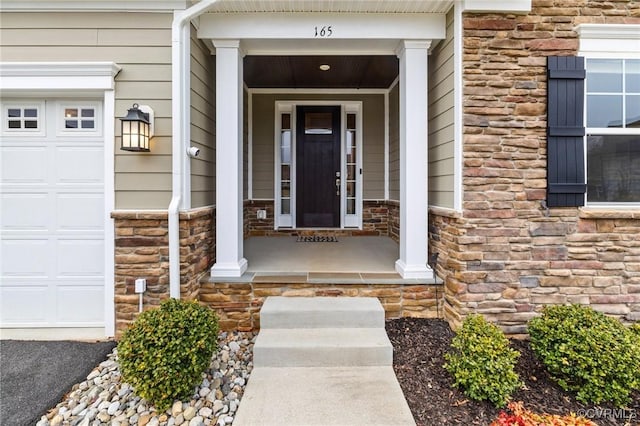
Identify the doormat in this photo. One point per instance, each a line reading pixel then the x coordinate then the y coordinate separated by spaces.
pixel 317 239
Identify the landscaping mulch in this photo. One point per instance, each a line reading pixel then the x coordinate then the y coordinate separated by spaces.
pixel 419 348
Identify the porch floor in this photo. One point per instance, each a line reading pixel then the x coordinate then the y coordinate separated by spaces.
pixel 351 260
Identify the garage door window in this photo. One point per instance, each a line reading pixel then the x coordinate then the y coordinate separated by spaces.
pixel 78 119
pixel 22 118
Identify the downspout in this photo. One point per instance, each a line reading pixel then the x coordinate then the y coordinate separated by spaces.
pixel 180 86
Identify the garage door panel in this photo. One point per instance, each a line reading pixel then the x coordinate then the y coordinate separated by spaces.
pixel 79 165
pixel 80 211
pixel 24 305
pixel 26 257
pixel 52 221
pixel 25 212
pixel 80 258
pixel 80 305
pixel 24 165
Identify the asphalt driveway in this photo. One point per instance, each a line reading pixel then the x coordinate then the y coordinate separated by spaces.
pixel 35 375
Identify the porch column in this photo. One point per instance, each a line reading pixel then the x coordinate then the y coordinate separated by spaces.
pixel 230 261
pixel 413 55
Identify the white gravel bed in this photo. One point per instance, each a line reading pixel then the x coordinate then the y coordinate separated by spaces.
pixel 103 399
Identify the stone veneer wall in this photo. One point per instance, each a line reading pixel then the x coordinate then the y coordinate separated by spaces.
pixel 254 226
pixel 506 256
pixel 238 304
pixel 394 220
pixel 379 218
pixel 142 251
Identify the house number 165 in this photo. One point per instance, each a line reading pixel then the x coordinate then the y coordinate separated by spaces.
pixel 324 31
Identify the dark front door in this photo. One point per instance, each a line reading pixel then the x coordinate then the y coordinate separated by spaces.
pixel 318 166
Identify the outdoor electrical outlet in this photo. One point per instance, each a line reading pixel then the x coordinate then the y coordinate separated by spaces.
pixel 262 214
pixel 141 285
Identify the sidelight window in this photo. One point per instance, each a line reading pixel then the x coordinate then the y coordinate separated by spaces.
pixel 352 166
pixel 351 163
pixel 285 167
pixel 285 164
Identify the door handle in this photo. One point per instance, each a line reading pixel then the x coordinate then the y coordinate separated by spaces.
pixel 337 186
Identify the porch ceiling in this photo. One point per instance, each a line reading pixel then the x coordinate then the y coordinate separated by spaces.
pixel 343 6
pixel 303 71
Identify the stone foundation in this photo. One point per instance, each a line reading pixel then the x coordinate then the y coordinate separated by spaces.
pixel 142 251
pixel 238 304
pixel 197 249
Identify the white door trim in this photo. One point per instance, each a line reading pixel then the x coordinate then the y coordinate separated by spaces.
pixel 289 107
pixel 40 79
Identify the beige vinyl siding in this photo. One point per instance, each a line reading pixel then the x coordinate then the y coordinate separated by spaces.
pixel 441 118
pixel 394 143
pixel 141 44
pixel 373 148
pixel 203 125
pixel 264 131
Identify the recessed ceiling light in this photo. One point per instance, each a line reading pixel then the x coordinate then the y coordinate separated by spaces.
pixel 325 67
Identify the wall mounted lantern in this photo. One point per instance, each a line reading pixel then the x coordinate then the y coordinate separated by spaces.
pixel 137 128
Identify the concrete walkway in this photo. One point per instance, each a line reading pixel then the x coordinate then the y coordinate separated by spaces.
pixel 323 361
pixel 306 396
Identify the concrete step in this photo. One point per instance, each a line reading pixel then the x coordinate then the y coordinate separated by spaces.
pixel 321 312
pixel 322 347
pixel 324 396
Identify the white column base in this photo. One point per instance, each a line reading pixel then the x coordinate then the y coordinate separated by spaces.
pixel 413 271
pixel 229 270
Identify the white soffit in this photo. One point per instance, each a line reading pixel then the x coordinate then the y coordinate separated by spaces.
pixel 333 6
pixel 245 6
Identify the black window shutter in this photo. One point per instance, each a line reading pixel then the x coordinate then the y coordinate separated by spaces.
pixel 565 131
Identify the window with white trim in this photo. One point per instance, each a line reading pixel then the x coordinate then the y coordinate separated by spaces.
pixel 613 130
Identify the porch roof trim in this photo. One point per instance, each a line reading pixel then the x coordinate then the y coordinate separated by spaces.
pixel 300 26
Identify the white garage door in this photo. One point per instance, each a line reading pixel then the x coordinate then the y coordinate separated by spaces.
pixel 52 214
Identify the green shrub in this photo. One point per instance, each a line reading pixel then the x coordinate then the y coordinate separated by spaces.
pixel 587 352
pixel 635 329
pixel 482 363
pixel 165 351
